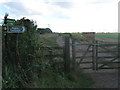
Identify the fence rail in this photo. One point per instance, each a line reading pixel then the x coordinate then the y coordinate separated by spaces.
pixel 93 49
pixel 96 50
pixel 50 48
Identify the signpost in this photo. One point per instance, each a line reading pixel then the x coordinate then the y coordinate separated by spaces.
pixel 9 26
pixel 15 29
pixel 10 42
pixel 10 20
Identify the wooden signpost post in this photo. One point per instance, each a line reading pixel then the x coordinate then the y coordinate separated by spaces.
pixel 10 33
pixel 9 26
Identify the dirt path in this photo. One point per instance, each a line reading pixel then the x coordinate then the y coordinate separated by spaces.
pixel 102 78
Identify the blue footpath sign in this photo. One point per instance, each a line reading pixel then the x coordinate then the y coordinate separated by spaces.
pixel 16 29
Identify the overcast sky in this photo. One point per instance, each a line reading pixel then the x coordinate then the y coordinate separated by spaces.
pixel 66 15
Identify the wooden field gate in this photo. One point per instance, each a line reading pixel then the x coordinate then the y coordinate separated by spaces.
pixel 107 56
pixel 96 55
pixel 93 56
pixel 48 52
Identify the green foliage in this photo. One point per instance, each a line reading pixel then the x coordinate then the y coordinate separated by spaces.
pixel 22 68
pixel 10 78
pixel 19 56
pixel 50 79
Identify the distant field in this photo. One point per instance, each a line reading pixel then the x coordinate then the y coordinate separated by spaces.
pixel 108 35
pixel 99 35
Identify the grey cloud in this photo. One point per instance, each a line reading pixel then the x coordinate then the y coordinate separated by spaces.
pixel 62 4
pixel 57 13
pixel 19 8
pixel 15 7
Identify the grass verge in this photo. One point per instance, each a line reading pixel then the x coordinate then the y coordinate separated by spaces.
pixel 76 79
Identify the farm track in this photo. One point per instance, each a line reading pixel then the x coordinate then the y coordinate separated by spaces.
pixel 105 78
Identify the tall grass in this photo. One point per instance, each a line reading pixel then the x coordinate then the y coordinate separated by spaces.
pixel 51 72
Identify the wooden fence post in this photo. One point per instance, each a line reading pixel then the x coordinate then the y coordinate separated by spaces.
pixel 96 54
pixel 67 55
pixel 93 56
pixel 73 54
